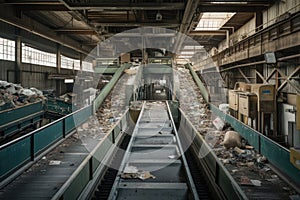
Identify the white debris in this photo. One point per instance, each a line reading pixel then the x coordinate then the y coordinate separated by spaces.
pixel 54 162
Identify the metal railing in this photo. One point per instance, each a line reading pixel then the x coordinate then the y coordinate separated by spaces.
pixel 218 175
pixel 276 154
pixel 25 149
pixel 96 161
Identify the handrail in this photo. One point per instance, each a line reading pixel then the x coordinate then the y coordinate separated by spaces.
pixel 199 83
pixel 39 129
pixel 279 156
pixel 107 88
pixel 235 186
pixel 86 161
pixel 225 51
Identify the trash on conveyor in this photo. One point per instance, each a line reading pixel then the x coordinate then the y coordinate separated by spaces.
pixel 244 180
pixel 14 95
pixel 131 70
pixel 132 172
pixel 244 163
pixel 68 97
pixel 295 197
pixel 224 108
pixel 54 162
pixel 232 139
pixel 219 123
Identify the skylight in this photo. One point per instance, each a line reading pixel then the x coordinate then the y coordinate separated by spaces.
pixel 213 21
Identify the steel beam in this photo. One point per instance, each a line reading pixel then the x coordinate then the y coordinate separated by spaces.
pixel 55 2
pixel 6 16
pixel 76 31
pixel 81 17
pixel 187 19
pixel 136 24
pixel 209 33
pixel 124 6
pixel 42 7
pixel 230 8
pixel 244 76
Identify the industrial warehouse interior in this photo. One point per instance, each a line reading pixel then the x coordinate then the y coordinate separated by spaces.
pixel 140 99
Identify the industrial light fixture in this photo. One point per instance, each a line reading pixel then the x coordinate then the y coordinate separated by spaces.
pixel 270 58
pixel 158 16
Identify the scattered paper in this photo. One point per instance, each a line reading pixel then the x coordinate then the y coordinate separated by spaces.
pixel 54 162
pixel 256 183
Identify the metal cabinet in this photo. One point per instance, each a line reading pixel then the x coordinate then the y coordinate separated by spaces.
pixel 248 104
pixel 233 100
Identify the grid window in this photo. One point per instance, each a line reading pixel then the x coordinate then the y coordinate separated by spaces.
pixel 70 63
pixel 35 56
pixel 87 66
pixel 7 49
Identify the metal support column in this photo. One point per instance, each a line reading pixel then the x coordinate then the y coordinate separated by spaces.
pixel 58 65
pixel 18 55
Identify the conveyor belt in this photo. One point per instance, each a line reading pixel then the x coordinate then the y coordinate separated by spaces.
pixel 154 147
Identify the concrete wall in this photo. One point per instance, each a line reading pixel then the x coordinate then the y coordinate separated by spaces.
pixel 32 75
pixel 278 9
pixel 270 16
pixel 6 66
pixel 246 30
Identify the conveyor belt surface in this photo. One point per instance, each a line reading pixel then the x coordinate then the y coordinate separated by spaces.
pixel 155 156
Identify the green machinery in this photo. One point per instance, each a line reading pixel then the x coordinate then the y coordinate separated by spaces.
pixel 16 119
pixel 25 150
pixel 276 154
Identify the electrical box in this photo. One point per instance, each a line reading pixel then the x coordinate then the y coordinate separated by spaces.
pixel 247 104
pixel 233 100
pixel 266 97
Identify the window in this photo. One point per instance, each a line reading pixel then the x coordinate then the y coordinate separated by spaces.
pixel 213 21
pixel 70 63
pixel 7 49
pixel 35 56
pixel 87 66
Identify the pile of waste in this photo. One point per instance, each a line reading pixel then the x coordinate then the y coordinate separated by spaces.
pixel 247 166
pixel 14 95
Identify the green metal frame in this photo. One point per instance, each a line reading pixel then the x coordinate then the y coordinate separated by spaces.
pixel 199 83
pixel 107 88
pixel 59 106
pixel 218 175
pixel 106 70
pixel 17 153
pixel 91 165
pixel 16 119
pixel 276 154
pixel 157 69
pixel 22 151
